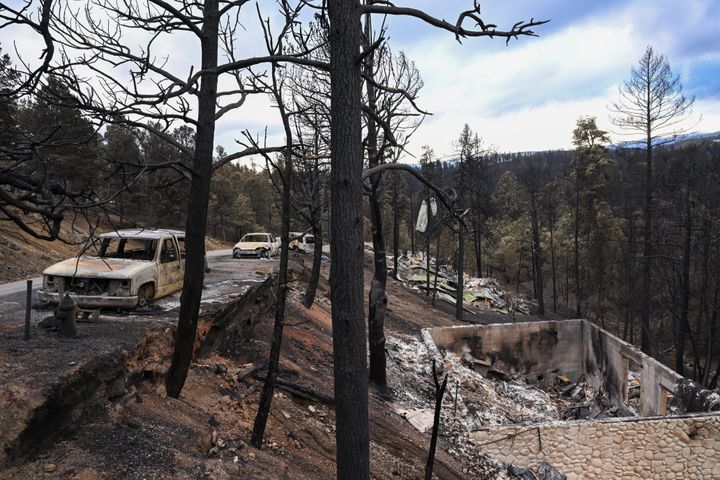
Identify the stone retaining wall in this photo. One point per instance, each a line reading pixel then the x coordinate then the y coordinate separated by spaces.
pixel 656 448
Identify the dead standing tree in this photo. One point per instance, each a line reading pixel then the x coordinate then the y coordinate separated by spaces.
pixel 346 275
pixel 286 175
pixel 651 104
pixel 310 92
pixel 391 116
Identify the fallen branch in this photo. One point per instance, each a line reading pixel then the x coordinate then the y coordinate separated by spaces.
pixel 298 390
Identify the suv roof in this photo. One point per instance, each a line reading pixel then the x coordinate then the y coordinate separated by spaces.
pixel 142 233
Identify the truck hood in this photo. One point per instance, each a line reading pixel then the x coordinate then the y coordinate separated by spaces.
pixel 94 267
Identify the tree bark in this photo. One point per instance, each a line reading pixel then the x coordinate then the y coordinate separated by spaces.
pixel 377 301
pixel 396 234
pixel 680 327
pixel 197 207
pixel 439 394
pixel 538 253
pixel 460 272
pixel 427 259
pixel 346 246
pixel 645 294
pixel 437 268
pixel 412 226
pixel 477 239
pixel 258 432
pixel 552 264
pixel 309 297
pixel 578 284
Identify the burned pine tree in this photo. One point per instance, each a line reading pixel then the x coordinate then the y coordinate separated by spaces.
pixel 346 219
pixel 392 84
pixel 651 103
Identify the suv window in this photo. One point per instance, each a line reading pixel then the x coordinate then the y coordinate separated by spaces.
pixel 181 244
pixel 130 248
pixel 169 252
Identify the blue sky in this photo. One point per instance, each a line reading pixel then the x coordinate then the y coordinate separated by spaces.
pixel 525 96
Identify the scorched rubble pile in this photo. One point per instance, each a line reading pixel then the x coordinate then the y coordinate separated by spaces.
pixel 473 400
pixel 479 294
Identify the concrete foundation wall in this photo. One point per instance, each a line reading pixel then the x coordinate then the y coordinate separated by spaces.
pixel 655 448
pixel 575 348
pixel 606 361
pixel 524 347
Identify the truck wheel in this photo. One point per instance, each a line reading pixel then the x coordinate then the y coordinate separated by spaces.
pixel 264 254
pixel 145 295
pixel 236 253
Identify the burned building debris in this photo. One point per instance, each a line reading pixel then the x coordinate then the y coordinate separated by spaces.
pixel 563 392
pixel 479 294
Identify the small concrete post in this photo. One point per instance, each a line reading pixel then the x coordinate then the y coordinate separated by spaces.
pixel 28 300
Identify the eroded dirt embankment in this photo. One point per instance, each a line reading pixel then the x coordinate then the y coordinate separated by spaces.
pixel 203 434
pixel 52 385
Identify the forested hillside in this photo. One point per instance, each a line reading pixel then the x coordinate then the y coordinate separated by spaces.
pixel 570 224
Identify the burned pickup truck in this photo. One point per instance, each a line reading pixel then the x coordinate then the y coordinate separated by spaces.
pixel 123 268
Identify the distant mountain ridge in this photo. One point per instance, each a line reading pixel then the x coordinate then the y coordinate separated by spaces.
pixel 630 144
pixel 677 140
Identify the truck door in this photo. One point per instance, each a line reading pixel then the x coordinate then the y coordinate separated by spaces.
pixel 170 268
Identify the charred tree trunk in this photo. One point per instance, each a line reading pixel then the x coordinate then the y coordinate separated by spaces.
pixel 316 220
pixel 519 269
pixel 427 263
pixel 258 432
pixel 396 238
pixel 578 283
pixel 396 235
pixel 377 301
pixel 477 238
pixel 412 226
pixel 683 322
pixel 309 297
pixel 552 264
pixel 460 272
pixel 346 246
pixel 703 316
pixel 197 207
pixel 645 294
pixel 273 364
pixel 439 394
pixel 538 259
pixel 437 265
pixel 533 264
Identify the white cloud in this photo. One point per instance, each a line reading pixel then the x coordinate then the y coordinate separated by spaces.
pixel 528 96
pixel 523 97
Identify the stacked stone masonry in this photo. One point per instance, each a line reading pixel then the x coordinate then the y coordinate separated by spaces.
pixel 654 448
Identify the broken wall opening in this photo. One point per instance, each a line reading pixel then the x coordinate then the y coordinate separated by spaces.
pixel 576 352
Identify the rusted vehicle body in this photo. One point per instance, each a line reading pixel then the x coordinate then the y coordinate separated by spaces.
pixel 260 245
pixel 125 269
pixel 303 243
